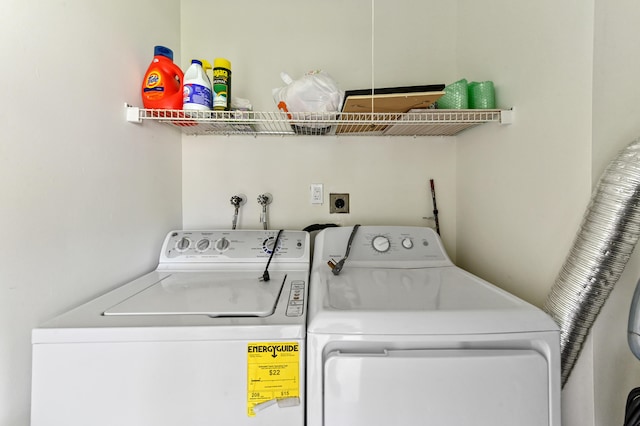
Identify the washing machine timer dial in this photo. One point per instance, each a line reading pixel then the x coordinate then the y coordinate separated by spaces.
pixel 268 245
pixel 381 243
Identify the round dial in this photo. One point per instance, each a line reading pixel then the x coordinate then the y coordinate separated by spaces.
pixel 407 243
pixel 381 244
pixel 203 244
pixel 183 244
pixel 268 245
pixel 222 244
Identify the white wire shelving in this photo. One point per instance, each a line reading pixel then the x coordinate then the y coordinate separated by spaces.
pixel 427 122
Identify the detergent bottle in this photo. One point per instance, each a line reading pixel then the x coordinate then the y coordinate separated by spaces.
pixel 197 86
pixel 162 84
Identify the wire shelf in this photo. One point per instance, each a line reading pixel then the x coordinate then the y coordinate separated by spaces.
pixel 427 122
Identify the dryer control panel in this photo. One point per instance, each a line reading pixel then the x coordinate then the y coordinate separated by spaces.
pixel 382 246
pixel 235 246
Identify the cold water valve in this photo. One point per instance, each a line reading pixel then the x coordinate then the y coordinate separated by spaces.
pixel 264 200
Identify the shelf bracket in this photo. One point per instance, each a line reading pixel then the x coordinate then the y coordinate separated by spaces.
pixel 132 113
pixel 506 116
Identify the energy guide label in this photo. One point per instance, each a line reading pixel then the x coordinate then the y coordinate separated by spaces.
pixel 273 375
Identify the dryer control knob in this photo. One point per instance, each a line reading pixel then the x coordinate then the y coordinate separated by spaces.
pixel 222 244
pixel 407 243
pixel 381 244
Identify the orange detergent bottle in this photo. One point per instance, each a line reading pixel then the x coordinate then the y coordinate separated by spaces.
pixel 162 85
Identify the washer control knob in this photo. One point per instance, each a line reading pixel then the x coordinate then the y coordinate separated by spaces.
pixel 407 243
pixel 381 244
pixel 222 244
pixel 203 245
pixel 183 244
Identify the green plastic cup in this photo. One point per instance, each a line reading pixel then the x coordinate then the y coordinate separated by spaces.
pixel 482 95
pixel 455 96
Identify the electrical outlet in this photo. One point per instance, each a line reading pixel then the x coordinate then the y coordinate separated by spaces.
pixel 338 203
pixel 317 193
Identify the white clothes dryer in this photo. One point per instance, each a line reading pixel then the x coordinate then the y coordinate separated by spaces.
pixel 401 336
pixel 202 340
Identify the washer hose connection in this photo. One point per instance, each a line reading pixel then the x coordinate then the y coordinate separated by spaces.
pixel 236 202
pixel 264 200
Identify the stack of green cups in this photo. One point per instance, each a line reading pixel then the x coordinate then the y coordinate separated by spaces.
pixel 455 96
pixel 463 95
pixel 482 95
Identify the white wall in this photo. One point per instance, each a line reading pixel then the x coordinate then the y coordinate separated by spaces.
pixel 86 197
pixel 522 190
pixel 387 178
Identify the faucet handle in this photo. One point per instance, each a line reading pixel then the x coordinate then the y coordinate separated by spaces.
pixel 264 199
pixel 238 200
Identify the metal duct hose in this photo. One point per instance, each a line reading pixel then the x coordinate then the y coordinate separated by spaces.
pixel 608 234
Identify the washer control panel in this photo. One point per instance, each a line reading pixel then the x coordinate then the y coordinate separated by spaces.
pixel 295 305
pixel 235 245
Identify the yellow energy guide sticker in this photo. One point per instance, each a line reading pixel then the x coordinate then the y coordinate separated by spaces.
pixel 273 375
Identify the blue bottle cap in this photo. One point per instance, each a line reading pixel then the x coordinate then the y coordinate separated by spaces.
pixel 196 61
pixel 163 51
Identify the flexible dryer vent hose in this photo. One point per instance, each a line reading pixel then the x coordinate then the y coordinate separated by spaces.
pixel 607 236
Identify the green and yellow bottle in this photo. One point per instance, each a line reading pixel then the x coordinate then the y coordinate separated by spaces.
pixel 221 84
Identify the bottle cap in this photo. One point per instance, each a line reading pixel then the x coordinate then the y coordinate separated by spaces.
pixel 206 65
pixel 221 63
pixel 163 51
pixel 196 61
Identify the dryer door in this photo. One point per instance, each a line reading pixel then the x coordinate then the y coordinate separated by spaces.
pixel 437 387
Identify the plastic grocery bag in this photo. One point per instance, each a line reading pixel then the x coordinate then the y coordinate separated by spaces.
pixel 316 91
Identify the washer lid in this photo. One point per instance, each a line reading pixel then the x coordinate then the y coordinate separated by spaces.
pixel 219 294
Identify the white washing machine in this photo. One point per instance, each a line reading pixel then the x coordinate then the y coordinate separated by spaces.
pixel 401 336
pixel 202 340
